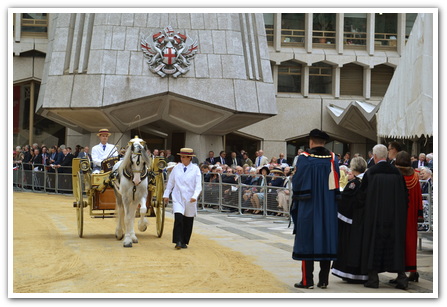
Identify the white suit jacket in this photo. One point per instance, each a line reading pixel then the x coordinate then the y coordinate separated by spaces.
pixel 184 186
pixel 99 155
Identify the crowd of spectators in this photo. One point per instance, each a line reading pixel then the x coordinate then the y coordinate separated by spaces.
pixel 231 166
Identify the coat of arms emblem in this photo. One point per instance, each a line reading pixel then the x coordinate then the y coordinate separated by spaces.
pixel 169 53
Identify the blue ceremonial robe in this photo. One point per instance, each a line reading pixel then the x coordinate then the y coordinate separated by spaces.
pixel 314 209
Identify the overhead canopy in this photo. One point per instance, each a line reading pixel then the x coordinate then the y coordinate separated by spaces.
pixel 358 116
pixel 407 108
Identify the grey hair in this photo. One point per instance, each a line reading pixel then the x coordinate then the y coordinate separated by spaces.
pixel 358 164
pixel 429 156
pixel 380 151
pixel 428 170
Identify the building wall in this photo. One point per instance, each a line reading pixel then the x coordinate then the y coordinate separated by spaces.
pixel 96 62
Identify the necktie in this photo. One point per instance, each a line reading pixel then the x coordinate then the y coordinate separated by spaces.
pixel 103 147
pixel 184 170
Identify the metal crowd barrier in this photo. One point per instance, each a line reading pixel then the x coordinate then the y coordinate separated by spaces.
pixel 43 179
pixel 426 227
pixel 224 195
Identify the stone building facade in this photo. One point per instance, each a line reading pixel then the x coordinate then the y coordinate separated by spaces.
pixel 258 80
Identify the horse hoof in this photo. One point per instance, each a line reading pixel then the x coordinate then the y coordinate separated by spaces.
pixel 128 244
pixel 119 238
pixel 143 228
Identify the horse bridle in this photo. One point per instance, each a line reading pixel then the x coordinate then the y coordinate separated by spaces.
pixel 143 173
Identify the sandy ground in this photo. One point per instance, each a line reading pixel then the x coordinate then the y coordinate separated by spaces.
pixel 49 256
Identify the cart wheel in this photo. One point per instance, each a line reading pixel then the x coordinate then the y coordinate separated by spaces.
pixel 80 205
pixel 159 204
pixel 160 217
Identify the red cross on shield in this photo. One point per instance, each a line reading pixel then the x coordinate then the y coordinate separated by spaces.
pixel 169 55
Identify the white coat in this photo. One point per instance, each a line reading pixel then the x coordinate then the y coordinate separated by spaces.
pixel 99 154
pixel 184 186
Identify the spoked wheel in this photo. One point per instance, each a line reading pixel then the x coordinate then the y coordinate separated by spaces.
pixel 160 216
pixel 159 204
pixel 80 205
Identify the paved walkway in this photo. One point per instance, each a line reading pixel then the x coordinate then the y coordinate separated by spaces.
pixel 269 241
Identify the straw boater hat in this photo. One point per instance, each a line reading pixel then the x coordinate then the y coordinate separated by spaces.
pixel 104 131
pixel 277 170
pixel 186 152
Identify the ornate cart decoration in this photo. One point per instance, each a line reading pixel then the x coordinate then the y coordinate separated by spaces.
pixel 169 53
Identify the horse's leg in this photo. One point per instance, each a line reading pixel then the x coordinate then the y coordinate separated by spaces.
pixel 129 218
pixel 143 222
pixel 119 231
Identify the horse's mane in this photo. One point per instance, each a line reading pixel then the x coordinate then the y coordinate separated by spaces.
pixel 126 163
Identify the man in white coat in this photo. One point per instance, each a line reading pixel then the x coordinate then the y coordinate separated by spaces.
pixel 185 184
pixel 103 150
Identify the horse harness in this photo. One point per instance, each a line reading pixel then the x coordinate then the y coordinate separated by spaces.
pixel 143 174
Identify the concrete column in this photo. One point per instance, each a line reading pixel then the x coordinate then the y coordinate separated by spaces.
pixel 367 82
pixel 415 147
pixel 305 81
pixel 275 77
pixel 339 32
pixel 277 32
pixel 31 113
pixel 336 81
pixel 370 30
pixel 308 32
pixel 202 144
pixel 17 26
pixel 401 19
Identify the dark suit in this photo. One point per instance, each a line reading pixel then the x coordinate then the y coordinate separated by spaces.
pixel 222 160
pixel 37 162
pixel 66 163
pixel 230 161
pixel 415 164
pixel 281 161
pixel 371 162
pixel 212 160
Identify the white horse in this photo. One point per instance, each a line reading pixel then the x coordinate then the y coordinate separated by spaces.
pixel 130 188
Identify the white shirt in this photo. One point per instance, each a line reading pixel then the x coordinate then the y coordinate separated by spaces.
pixel 99 154
pixel 184 185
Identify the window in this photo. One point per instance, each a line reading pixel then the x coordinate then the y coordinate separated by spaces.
pixel 320 78
pixel 385 35
pixel 354 29
pixel 351 80
pixel 34 24
pixel 269 26
pixel 289 77
pixel 380 79
pixel 410 18
pixel 292 29
pixel 323 33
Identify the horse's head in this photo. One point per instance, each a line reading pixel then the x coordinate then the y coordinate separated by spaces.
pixel 137 145
pixel 136 159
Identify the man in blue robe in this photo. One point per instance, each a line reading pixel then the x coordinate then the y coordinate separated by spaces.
pixel 314 210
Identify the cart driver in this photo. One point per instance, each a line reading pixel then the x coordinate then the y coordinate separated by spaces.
pixel 103 150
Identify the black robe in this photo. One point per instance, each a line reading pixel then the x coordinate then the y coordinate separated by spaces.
pixel 382 220
pixel 348 241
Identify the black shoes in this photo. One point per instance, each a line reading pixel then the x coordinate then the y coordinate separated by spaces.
pixel 300 285
pixel 180 245
pixel 322 285
pixel 414 276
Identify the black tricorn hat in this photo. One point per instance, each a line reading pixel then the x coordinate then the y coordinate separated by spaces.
pixel 316 133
